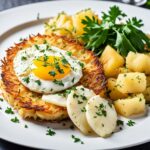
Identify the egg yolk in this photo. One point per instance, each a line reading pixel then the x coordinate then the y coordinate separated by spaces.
pixel 51 67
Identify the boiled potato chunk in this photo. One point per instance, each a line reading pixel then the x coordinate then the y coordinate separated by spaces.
pixel 101 116
pixel 124 70
pixel 77 20
pixel 147 90
pixel 133 82
pixel 130 106
pixel 60 25
pixel 138 62
pixel 111 61
pixel 113 91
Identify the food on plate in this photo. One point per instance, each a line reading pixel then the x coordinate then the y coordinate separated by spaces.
pixel 71 26
pixel 85 68
pixel 76 103
pixel 112 91
pixel 147 90
pixel 60 25
pixel 134 105
pixel 16 85
pixel 46 69
pixel 133 82
pixel 111 61
pixel 101 116
pixel 138 62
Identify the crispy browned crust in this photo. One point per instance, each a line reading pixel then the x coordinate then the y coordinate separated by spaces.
pixel 28 103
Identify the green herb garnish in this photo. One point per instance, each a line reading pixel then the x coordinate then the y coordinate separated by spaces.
pixel 69 53
pixel 37 47
pixel 26 126
pixel 15 120
pixel 50 132
pixel 83 109
pixel 81 64
pixel 120 122
pixel 1 100
pixel 27 79
pixel 9 110
pixel 23 58
pixel 124 37
pixel 64 61
pixel 52 73
pixel 77 140
pixel 38 82
pixel 130 123
pixel 101 110
pixel 58 82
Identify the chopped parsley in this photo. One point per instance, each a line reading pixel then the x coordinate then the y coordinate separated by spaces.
pixel 58 68
pixel 27 79
pixel 69 53
pixel 101 110
pixel 45 58
pixel 83 97
pixel 81 64
pixel 140 99
pixel 15 120
pixel 21 39
pixel 9 110
pixel 75 95
pixel 120 122
pixel 130 123
pixel 38 82
pixel 45 42
pixel 80 102
pixel 23 58
pixel 1 100
pixel 37 47
pixel 50 132
pixel 64 61
pixel 58 82
pixel 77 140
pixel 72 80
pixel 83 109
pixel 52 73
pixel 25 126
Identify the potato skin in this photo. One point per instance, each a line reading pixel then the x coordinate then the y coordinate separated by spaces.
pixel 28 103
pixel 130 106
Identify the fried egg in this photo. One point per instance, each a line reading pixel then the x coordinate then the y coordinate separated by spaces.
pixel 47 69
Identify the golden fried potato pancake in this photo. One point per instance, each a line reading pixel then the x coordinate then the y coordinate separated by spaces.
pixel 29 104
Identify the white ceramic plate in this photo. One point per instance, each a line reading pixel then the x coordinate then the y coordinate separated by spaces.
pixel 20 23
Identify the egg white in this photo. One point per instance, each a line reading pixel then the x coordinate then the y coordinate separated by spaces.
pixel 23 69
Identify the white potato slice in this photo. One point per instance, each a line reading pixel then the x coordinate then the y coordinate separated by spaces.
pixel 101 116
pixel 55 99
pixel 76 103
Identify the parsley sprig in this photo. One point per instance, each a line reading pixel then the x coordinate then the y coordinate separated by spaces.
pixel 124 37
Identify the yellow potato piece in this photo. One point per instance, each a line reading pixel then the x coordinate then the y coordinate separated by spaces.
pixel 113 91
pixel 111 61
pixel 133 82
pixel 138 62
pixel 130 106
pixel 147 90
